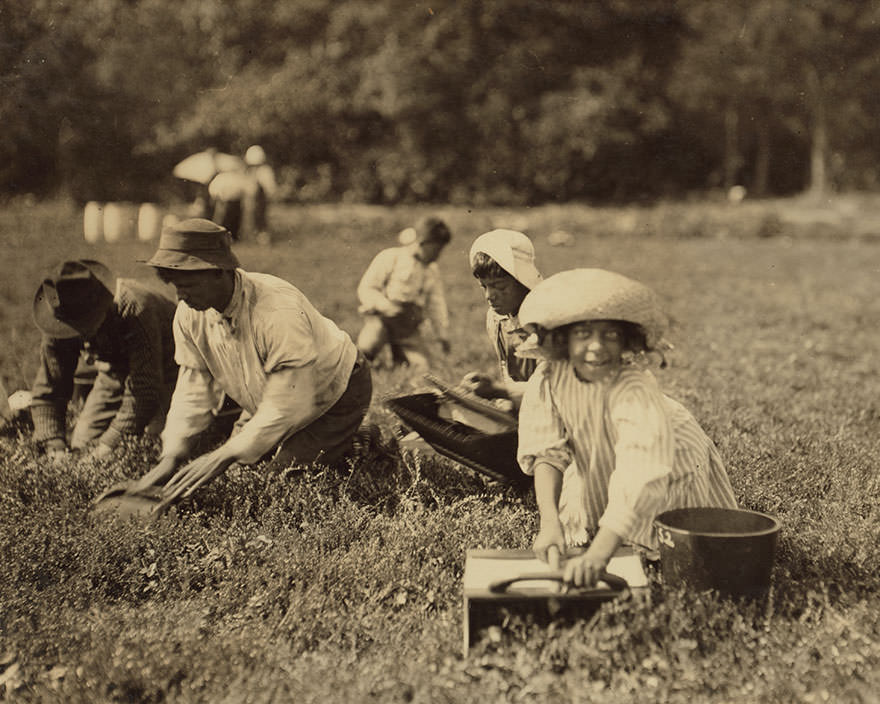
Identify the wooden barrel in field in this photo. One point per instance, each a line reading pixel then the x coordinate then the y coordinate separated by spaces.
pixel 120 222
pixel 149 221
pixel 93 222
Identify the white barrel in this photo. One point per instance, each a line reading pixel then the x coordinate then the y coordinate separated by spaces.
pixel 93 222
pixel 149 221
pixel 120 222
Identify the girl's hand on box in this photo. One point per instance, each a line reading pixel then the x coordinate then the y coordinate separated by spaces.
pixel 549 540
pixel 584 571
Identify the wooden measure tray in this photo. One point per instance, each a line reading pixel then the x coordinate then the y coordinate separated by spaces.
pixel 497 583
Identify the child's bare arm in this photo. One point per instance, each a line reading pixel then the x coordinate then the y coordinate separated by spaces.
pixel 586 570
pixel 548 485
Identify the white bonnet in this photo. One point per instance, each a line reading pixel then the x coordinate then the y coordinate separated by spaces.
pixel 512 251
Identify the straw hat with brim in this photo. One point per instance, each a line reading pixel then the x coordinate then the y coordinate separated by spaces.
pixel 193 245
pixel 73 298
pixel 593 294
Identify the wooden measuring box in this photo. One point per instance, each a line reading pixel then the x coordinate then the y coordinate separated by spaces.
pixel 501 582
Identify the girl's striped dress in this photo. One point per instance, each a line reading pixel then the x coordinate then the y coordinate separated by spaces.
pixel 636 452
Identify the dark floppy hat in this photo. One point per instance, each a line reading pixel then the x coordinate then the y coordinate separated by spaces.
pixel 192 245
pixel 73 298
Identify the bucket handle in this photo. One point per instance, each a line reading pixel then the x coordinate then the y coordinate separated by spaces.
pixel 616 584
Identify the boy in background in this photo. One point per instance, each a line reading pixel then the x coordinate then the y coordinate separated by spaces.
pixel 399 290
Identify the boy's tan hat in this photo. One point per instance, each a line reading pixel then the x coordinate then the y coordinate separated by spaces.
pixel 593 294
pixel 512 251
pixel 192 245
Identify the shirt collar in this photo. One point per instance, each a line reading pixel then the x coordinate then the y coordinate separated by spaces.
pixel 511 322
pixel 232 312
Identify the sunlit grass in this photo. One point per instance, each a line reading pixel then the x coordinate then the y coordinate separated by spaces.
pixel 319 585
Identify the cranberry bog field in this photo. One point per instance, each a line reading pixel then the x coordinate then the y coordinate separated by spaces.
pixel 318 585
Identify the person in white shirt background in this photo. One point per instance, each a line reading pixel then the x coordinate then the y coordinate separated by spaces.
pixel 400 289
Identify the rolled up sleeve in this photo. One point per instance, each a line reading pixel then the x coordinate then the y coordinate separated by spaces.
pixel 53 387
pixel 371 289
pixel 542 434
pixel 287 406
pixel 644 455
pixel 196 395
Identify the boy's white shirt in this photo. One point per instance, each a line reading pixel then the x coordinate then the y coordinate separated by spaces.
pixel 396 275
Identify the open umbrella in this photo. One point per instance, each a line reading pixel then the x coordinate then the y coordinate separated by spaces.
pixel 203 166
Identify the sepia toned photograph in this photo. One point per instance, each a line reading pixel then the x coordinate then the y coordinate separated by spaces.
pixel 457 352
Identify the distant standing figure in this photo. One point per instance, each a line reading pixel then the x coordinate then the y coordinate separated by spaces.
pixel 126 333
pixel 262 188
pixel 399 290
pixel 228 192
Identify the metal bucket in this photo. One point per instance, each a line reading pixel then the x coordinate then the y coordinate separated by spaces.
pixel 728 550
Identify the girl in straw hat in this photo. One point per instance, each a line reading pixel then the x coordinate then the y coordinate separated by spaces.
pixel 636 451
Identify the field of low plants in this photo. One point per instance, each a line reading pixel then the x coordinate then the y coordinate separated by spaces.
pixel 317 585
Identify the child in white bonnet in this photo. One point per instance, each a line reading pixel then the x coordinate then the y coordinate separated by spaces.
pixel 503 262
pixel 636 451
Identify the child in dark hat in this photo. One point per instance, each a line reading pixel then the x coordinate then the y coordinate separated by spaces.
pixel 399 290
pixel 125 328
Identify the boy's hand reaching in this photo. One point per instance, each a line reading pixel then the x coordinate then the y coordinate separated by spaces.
pixel 391 309
pixel 56 450
pixel 478 384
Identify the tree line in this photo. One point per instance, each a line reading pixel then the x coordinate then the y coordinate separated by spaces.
pixel 480 101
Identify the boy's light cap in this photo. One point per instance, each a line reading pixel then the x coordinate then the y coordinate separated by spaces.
pixel 593 294
pixel 512 251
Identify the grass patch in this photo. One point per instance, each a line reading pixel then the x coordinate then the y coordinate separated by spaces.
pixel 317 585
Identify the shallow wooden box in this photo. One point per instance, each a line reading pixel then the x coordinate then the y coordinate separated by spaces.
pixel 498 583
